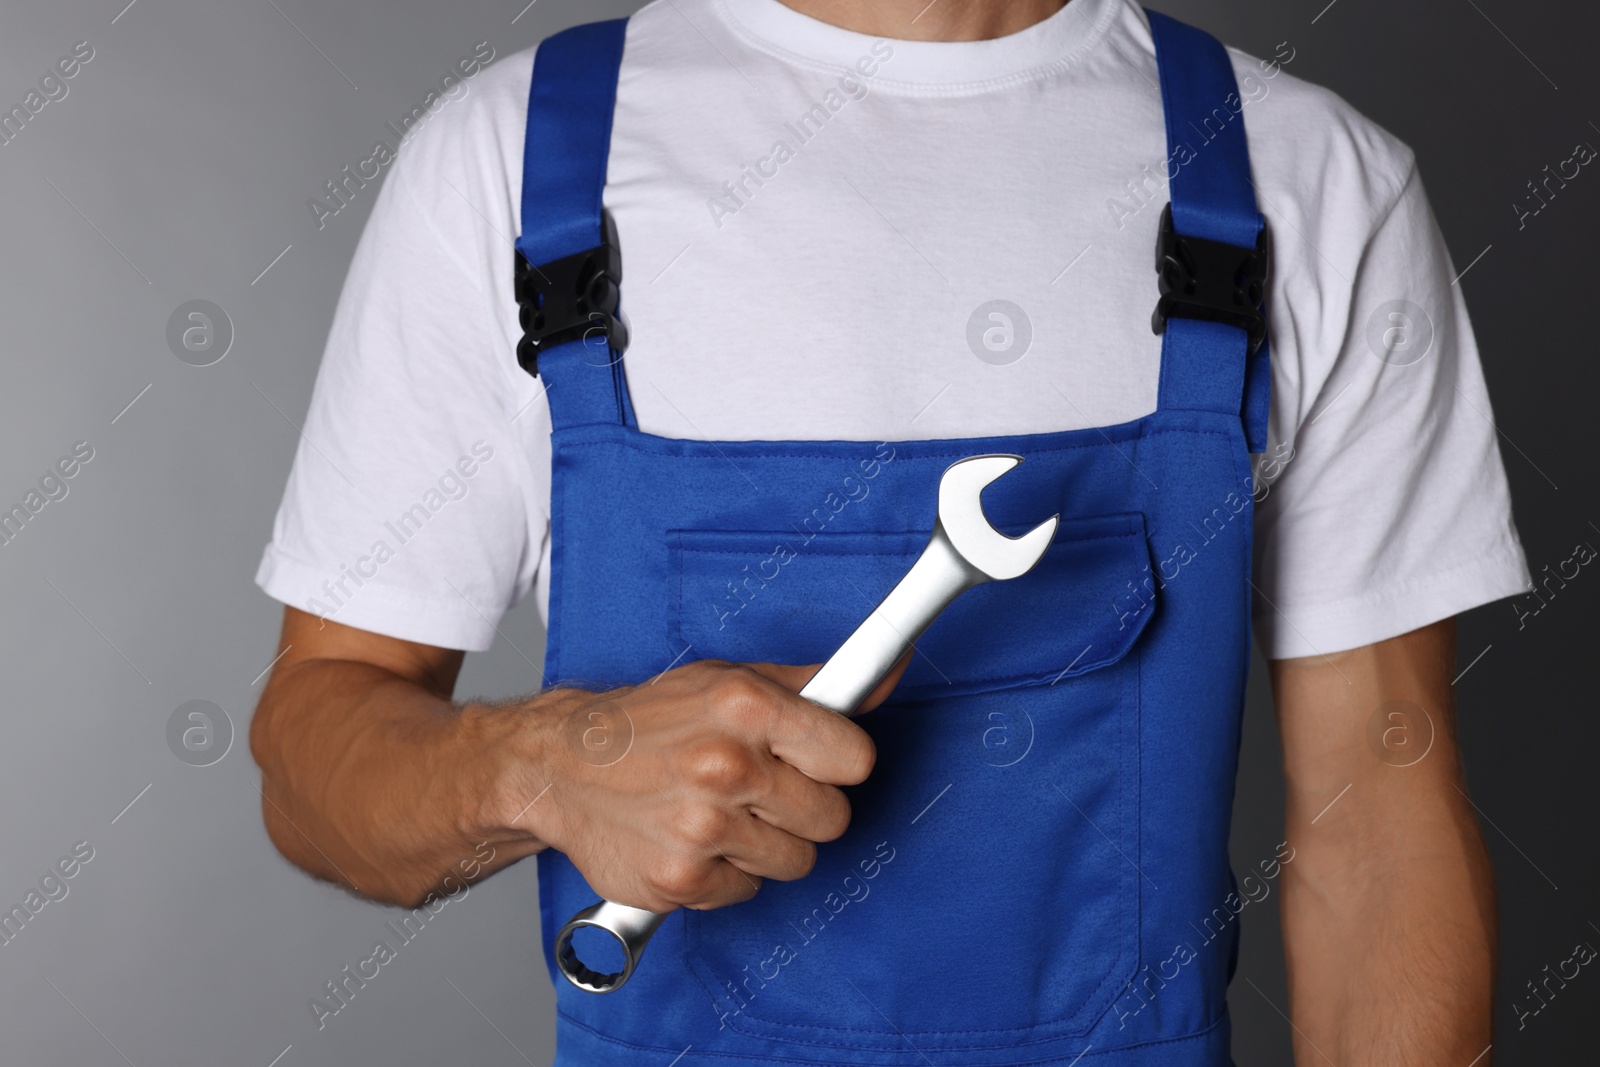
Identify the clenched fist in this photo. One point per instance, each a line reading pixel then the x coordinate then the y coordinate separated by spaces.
pixel 723 776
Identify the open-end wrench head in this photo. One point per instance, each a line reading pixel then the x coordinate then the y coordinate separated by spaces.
pixel 977 542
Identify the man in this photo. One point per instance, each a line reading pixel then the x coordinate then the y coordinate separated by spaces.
pixel 864 241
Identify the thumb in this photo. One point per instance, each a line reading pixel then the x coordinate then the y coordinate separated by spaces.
pixel 881 692
pixel 794 678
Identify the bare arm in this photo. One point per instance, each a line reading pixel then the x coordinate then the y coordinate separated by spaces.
pixel 372 778
pixel 1388 906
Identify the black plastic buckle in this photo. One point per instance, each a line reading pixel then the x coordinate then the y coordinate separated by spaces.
pixel 1212 280
pixel 574 298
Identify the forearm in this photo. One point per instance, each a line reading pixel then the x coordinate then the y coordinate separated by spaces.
pixel 683 792
pixel 1389 933
pixel 1388 907
pixel 372 781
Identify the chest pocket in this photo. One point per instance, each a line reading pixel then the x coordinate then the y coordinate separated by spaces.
pixel 986 895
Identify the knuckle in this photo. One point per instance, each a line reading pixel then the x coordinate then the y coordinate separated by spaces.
pixel 741 694
pixel 703 670
pixel 722 766
pixel 738 889
pixel 741 886
pixel 705 826
pixel 679 879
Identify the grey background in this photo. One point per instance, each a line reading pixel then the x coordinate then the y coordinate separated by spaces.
pixel 178 167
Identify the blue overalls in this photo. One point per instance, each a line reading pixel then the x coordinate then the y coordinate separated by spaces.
pixel 1037 868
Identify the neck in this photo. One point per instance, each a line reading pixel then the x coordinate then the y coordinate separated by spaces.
pixel 920 20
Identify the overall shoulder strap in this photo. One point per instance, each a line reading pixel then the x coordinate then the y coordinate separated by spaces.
pixel 569 264
pixel 1212 253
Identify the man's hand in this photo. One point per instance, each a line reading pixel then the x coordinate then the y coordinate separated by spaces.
pixel 728 778
pixel 1388 908
pixel 371 777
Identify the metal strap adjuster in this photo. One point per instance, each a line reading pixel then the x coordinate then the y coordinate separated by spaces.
pixel 1212 280
pixel 574 298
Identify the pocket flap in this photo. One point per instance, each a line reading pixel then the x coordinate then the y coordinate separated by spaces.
pixel 784 597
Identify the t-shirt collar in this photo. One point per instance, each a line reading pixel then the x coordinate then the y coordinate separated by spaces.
pixel 936 66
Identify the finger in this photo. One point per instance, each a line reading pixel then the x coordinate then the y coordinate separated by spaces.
pixel 826 746
pixel 716 885
pixel 800 805
pixel 758 848
pixel 792 677
pixel 890 680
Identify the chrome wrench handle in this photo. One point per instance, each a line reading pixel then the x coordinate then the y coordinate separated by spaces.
pixel 934 581
pixel 953 561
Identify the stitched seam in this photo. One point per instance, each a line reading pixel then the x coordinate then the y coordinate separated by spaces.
pixel 680 549
pixel 1059 1026
pixel 963 452
pixel 901 87
pixel 836 551
pixel 572 1020
pixel 1503 549
pixel 1048 1031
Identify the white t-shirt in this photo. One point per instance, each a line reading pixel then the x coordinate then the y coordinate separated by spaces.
pixel 841 288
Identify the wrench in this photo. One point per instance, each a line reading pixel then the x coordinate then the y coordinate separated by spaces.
pixel 964 551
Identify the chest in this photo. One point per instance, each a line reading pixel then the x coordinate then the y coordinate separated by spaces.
pixel 805 263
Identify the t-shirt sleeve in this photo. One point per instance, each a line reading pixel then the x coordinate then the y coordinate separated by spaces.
pixel 414 508
pixel 1383 503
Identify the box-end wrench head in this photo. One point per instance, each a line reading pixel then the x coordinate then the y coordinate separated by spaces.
pixel 964 550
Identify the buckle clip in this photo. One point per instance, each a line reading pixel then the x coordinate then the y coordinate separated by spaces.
pixel 574 298
pixel 1212 280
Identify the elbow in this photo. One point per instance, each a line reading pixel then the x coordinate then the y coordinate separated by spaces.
pixel 280 831
pixel 264 747
pixel 278 806
pixel 264 750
